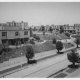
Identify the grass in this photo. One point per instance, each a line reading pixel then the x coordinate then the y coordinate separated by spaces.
pixel 63 36
pixel 37 49
pixel 68 45
pixel 17 52
pixel 48 37
pixel 43 47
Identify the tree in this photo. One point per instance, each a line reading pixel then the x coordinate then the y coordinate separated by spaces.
pixel 36 37
pixel 30 32
pixel 73 57
pixel 67 34
pixel 34 29
pixel 50 29
pixel 54 41
pixel 59 46
pixel 30 52
pixel 32 41
pixel 43 29
pixel 61 29
pixel 77 42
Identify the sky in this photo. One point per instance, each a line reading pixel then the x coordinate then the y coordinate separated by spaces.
pixel 40 13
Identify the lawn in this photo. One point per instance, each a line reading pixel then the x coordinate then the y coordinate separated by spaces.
pixel 48 37
pixel 43 47
pixel 37 49
pixel 16 52
pixel 68 45
pixel 63 36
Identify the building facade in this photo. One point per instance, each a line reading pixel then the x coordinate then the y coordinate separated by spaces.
pixel 14 32
pixel 74 29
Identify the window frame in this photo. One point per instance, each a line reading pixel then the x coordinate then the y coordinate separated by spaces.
pixel 4 34
pixel 25 32
pixel 17 33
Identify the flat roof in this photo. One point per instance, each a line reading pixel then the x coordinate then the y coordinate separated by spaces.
pixel 15 30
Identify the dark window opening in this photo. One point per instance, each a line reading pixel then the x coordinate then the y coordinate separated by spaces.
pixel 25 32
pixel 4 33
pixel 16 33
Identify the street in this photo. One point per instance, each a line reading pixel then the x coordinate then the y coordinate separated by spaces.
pixel 43 69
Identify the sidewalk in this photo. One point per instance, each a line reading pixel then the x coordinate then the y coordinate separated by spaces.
pixel 21 60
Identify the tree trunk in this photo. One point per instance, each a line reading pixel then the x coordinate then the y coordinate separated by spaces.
pixel 73 64
pixel 58 50
pixel 28 60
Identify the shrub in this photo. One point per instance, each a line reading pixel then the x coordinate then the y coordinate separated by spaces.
pixel 36 37
pixel 1 52
pixel 77 42
pixel 31 32
pixel 54 41
pixel 67 34
pixel 32 61
pixel 29 52
pixel 73 57
pixel 61 29
pixel 6 49
pixel 50 29
pixel 59 46
pixel 32 42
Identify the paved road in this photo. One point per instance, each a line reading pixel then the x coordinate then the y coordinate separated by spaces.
pixel 43 69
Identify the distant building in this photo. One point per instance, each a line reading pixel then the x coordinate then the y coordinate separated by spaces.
pixel 68 28
pixel 47 28
pixel 77 28
pixel 14 32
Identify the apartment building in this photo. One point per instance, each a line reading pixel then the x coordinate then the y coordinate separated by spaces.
pixel 14 32
pixel 74 29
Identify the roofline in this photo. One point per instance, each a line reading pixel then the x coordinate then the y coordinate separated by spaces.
pixel 14 30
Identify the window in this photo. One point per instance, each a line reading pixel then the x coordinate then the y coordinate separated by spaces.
pixel 78 29
pixel 16 33
pixel 25 32
pixel 14 24
pixel 65 27
pixel 4 33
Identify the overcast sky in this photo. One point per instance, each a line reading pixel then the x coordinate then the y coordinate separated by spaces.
pixel 40 13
